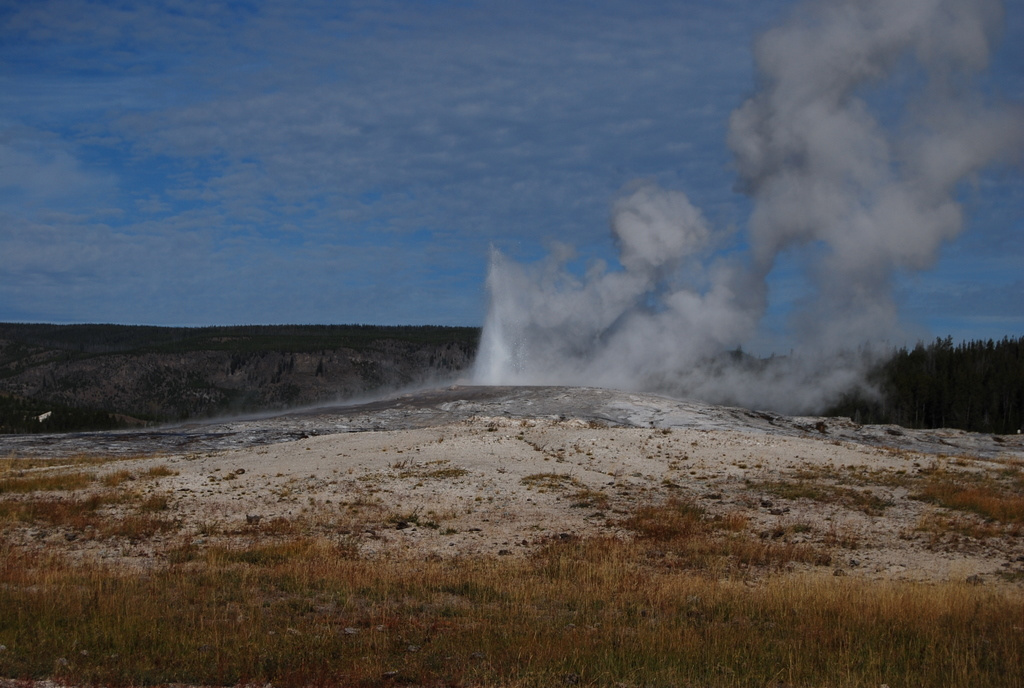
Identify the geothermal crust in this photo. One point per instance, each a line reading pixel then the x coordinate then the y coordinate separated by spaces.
pixel 468 471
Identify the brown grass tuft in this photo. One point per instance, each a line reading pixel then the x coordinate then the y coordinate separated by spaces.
pixel 986 500
pixel 45 482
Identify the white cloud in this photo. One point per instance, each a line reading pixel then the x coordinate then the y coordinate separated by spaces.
pixel 483 122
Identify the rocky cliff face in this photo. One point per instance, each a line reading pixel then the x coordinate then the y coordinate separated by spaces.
pixel 179 385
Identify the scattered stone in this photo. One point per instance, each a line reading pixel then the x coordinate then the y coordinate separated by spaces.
pixel 571 679
pixel 401 525
pixel 351 631
pixel 253 519
pixel 71 537
pixel 413 648
pixel 504 552
pixel 477 655
pixel 767 503
pixel 854 563
pixel 779 512
pixel 839 572
pixel 974 580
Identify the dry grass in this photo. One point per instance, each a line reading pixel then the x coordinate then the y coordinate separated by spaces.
pixel 45 482
pixel 585 612
pixel 117 478
pixel 10 464
pixel 89 515
pixel 997 500
pixel 864 500
pixel 683 535
pixel 684 595
pixel 110 511
pixel 546 482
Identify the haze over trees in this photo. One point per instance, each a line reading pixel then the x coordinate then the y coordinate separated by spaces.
pixel 108 376
pixel 975 385
pixel 102 376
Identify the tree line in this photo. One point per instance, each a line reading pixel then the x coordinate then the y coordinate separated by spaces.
pixel 975 385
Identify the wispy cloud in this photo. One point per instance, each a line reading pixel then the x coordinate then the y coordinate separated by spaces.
pixel 360 157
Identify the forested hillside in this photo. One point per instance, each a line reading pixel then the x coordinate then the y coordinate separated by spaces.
pixel 976 386
pixel 57 378
pixel 102 376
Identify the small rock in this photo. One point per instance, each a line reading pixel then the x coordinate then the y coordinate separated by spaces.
pixel 3 648
pixel 389 674
pixel 351 631
pixel 974 580
pixel 571 679
pixel 504 552
pixel 839 572
pixel 252 519
pixel 767 503
pixel 413 648
pixel 854 563
pixel 477 655
pixel 401 525
pixel 70 537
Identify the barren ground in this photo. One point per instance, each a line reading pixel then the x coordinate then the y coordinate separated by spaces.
pixel 468 472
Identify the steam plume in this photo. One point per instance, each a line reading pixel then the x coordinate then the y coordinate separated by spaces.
pixel 859 200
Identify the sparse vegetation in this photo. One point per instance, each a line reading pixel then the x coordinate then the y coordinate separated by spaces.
pixel 627 569
pixel 45 482
pixel 546 482
pixel 997 500
pixel 860 499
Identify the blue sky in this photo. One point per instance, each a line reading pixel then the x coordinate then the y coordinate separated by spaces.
pixel 195 163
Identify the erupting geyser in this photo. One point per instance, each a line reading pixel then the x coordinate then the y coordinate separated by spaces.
pixel 865 200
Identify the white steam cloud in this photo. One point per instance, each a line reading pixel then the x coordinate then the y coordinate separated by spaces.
pixel 863 200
